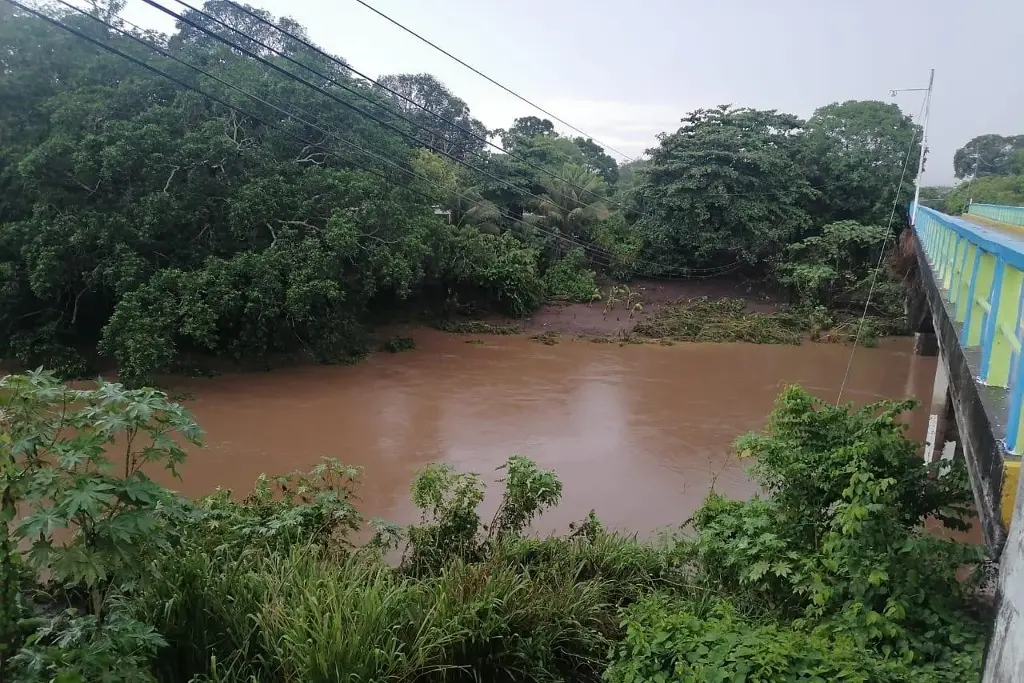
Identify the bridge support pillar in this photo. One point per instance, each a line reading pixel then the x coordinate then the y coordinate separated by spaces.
pixel 926 344
pixel 939 415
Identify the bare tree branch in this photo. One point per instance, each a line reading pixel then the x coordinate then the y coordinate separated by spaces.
pixel 171 177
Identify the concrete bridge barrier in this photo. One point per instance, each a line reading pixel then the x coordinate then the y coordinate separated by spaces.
pixel 973 279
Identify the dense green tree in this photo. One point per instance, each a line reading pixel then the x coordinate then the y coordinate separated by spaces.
pixel 598 161
pixel 856 154
pixel 437 106
pixel 1007 190
pixel 726 186
pixel 571 204
pixel 149 218
pixel 989 154
pixel 525 128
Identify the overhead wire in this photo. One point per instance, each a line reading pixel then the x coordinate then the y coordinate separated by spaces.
pixel 426 129
pixel 252 55
pixel 454 124
pixel 881 257
pixel 273 126
pixel 491 80
pixel 684 272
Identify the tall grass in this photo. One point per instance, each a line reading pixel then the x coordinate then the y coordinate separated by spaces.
pixel 536 610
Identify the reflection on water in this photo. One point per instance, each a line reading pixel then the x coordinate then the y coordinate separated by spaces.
pixel 639 433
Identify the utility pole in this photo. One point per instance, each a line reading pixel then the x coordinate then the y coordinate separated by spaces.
pixel 924 138
pixel 924 145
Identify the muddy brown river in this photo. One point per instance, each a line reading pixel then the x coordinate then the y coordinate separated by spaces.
pixel 640 433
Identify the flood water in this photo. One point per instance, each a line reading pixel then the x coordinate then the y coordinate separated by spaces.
pixel 640 433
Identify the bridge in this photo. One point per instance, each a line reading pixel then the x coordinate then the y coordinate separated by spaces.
pixel 972 273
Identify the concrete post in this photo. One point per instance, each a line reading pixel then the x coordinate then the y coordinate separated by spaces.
pixel 938 417
pixel 926 344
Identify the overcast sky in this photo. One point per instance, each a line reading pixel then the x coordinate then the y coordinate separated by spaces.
pixel 625 71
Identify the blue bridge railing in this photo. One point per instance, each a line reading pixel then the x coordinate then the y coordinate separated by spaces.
pixel 981 271
pixel 1013 215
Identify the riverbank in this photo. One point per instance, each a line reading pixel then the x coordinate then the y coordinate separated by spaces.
pixel 666 312
pixel 620 317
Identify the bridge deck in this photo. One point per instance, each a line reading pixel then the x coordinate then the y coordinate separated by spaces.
pixel 973 270
pixel 1008 229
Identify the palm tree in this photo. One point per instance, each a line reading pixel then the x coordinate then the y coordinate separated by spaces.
pixel 468 208
pixel 571 201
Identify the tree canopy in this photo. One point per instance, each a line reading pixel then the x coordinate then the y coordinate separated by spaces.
pixel 243 211
pixel 988 155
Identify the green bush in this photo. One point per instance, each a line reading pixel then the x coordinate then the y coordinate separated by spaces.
pixel 568 280
pixel 398 344
pixel 666 641
pixel 839 546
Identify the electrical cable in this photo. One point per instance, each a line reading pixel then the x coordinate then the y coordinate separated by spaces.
pixel 881 256
pixel 570 240
pixel 684 272
pixel 346 65
pixel 491 80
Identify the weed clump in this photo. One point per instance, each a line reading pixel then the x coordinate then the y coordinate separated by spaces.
pixel 721 320
pixel 398 344
pixel 477 327
pixel 549 338
pixel 569 281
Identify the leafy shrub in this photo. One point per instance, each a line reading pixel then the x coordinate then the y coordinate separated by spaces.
pixel 399 344
pixel 76 648
pixel 836 269
pixel 300 508
pixel 666 641
pixel 490 270
pixel 624 244
pixel 568 280
pixel 88 524
pixel 450 524
pixel 839 545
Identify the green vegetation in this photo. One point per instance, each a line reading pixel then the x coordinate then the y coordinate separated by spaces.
pixel 721 320
pixel 477 327
pixel 994 168
pixel 568 280
pixel 399 343
pixel 829 576
pixel 1008 190
pixel 143 222
pixel 729 320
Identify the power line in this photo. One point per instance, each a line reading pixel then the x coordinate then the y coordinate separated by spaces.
pixel 687 272
pixel 491 80
pixel 558 236
pixel 332 96
pixel 349 67
pixel 258 119
pixel 474 135
pixel 387 110
pixel 881 256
